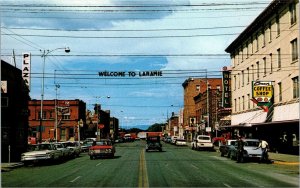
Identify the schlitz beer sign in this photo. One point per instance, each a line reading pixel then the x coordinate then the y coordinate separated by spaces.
pixel 262 92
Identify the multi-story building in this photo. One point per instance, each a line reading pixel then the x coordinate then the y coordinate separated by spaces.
pixel 114 128
pixel 208 102
pixel 267 52
pixel 172 126
pixel 192 88
pixel 65 123
pixel 14 113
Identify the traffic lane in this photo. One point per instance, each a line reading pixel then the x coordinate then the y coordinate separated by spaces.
pixel 181 166
pixel 122 171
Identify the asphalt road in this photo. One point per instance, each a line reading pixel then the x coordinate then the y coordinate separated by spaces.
pixel 133 167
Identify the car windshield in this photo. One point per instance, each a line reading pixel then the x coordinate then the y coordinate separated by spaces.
pixel 251 143
pixel 44 147
pixel 204 138
pixel 102 143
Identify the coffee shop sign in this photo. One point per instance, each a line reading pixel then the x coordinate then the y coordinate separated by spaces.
pixel 130 73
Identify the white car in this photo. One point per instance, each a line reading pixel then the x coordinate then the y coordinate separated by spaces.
pixel 202 142
pixel 173 139
pixel 41 152
pixel 180 142
pixel 74 147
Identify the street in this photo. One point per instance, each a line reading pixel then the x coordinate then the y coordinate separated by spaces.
pixel 174 167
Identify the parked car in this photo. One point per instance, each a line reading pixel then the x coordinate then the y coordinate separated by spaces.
pixel 168 139
pixel 173 139
pixel 102 148
pixel 74 147
pixel 225 149
pixel 41 152
pixel 153 143
pixel 180 142
pixel 202 142
pixel 86 146
pixel 250 150
pixel 66 152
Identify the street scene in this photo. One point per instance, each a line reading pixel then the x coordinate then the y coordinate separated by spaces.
pixel 174 166
pixel 155 93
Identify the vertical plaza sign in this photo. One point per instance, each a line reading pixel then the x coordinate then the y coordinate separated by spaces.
pixel 26 69
pixel 262 93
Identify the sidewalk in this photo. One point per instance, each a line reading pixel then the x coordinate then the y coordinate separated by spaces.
pixel 8 166
pixel 284 159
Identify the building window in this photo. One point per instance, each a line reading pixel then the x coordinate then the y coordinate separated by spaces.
pixel 44 114
pixel 270 32
pixel 293 15
pixel 252 70
pixel 235 105
pixel 218 88
pixel 277 25
pixel 239 80
pixel 263 37
pixel 265 66
pixel 248 101
pixel 198 88
pixel 295 87
pixel 271 63
pixel 248 75
pixel 278 58
pixel 279 91
pixel 294 50
pixel 65 117
pixel 257 45
pixel 257 69
pixel 243 103
pixel 243 78
pixel 239 104
pixel 247 50
pixel 234 79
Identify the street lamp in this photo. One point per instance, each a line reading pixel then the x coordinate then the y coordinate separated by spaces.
pixel 44 55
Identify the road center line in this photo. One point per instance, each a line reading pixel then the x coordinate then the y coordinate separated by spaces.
pixel 226 185
pixel 194 166
pixel 143 176
pixel 98 164
pixel 75 179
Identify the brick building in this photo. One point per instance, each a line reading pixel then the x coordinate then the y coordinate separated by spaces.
pixel 192 88
pixel 67 117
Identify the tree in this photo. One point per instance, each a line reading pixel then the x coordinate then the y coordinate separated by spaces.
pixel 155 127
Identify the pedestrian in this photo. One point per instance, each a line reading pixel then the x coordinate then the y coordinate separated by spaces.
pixel 240 149
pixel 264 147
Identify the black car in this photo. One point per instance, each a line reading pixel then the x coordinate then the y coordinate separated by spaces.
pixel 153 143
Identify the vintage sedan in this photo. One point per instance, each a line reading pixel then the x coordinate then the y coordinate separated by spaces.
pixel 251 150
pixel 225 149
pixel 102 148
pixel 74 148
pixel 66 152
pixel 153 143
pixel 41 152
pixel 180 142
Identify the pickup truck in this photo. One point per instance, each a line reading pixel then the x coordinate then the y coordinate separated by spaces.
pixel 202 142
pixel 225 149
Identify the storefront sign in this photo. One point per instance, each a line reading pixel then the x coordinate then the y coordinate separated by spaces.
pixel 262 92
pixel 26 69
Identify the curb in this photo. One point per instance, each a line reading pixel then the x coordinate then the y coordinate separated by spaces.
pixel 286 163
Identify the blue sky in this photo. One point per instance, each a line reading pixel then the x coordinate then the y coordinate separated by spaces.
pixel 180 38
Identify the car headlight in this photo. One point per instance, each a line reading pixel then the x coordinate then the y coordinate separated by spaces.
pixel 108 150
pixel 49 155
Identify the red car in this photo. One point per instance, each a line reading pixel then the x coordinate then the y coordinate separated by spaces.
pixel 102 148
